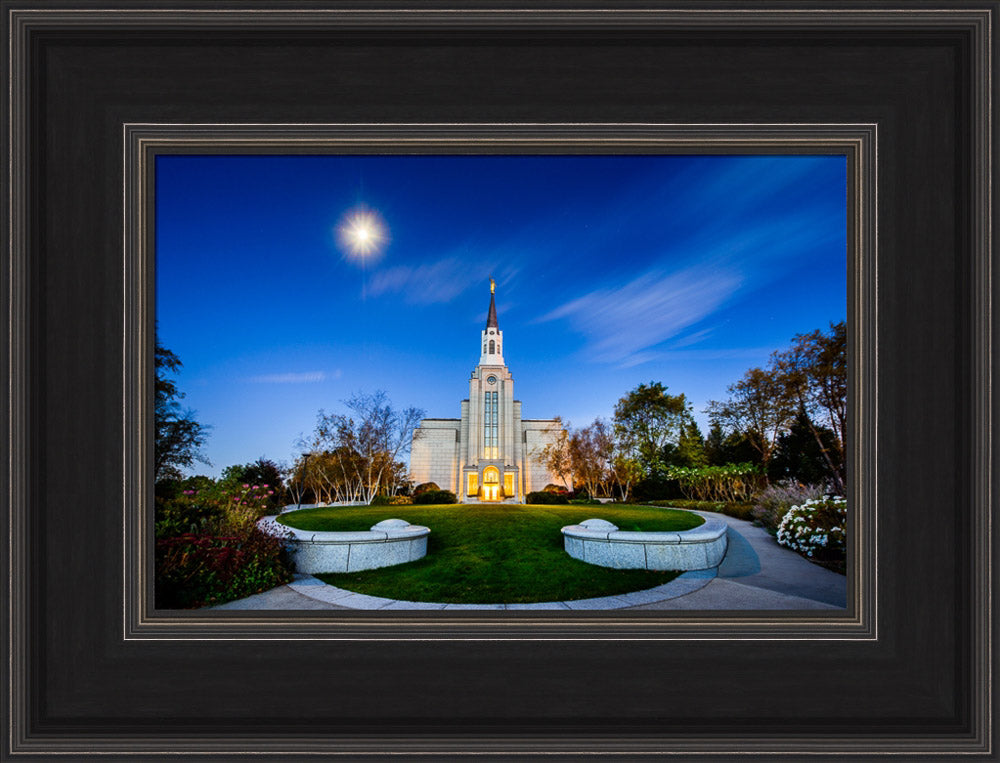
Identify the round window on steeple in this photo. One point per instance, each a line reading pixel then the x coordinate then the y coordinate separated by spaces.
pixel 491 380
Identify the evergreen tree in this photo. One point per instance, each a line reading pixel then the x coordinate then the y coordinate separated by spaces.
pixel 691 446
pixel 179 436
pixel 732 448
pixel 800 457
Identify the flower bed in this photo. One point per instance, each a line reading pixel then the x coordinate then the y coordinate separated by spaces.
pixel 198 570
pixel 816 529
pixel 209 549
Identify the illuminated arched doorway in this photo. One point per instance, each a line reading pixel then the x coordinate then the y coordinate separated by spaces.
pixel 491 484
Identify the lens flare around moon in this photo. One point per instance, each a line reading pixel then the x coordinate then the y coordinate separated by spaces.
pixel 362 234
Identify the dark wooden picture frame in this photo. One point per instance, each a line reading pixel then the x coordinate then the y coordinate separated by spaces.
pixel 94 92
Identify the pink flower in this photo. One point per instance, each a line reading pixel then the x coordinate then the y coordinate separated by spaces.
pixel 246 486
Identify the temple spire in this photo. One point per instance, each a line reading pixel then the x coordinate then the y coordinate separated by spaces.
pixel 491 318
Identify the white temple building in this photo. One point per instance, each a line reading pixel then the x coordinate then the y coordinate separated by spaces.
pixel 491 453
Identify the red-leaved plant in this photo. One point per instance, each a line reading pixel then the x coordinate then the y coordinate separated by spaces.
pixel 224 556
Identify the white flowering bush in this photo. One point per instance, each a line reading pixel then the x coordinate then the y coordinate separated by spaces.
pixel 816 528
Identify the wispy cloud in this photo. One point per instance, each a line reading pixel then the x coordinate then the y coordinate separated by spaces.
pixel 437 282
pixel 705 355
pixel 744 197
pixel 623 323
pixel 656 313
pixel 690 339
pixel 307 377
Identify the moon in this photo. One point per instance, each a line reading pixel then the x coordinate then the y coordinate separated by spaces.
pixel 362 234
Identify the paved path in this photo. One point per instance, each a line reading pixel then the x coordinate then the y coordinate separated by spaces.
pixel 757 573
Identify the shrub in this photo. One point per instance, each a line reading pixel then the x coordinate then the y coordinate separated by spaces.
pixel 435 496
pixel 584 501
pixel 423 487
pixel 185 514
pixel 391 500
pixel 199 570
pixel 742 511
pixel 553 488
pixel 774 501
pixel 209 549
pixel 735 510
pixel 262 472
pixel 816 528
pixel 544 497
pixel 729 483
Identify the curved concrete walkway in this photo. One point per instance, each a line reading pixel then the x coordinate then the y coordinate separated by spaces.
pixel 756 574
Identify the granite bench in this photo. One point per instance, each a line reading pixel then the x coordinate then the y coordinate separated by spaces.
pixel 391 541
pixel 599 542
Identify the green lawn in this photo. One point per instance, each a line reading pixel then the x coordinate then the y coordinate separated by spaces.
pixel 479 554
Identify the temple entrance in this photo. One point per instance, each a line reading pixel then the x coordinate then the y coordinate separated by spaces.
pixel 491 484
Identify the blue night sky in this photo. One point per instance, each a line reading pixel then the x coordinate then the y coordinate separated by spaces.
pixel 611 271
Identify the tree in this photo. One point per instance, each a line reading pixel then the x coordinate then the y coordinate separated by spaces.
pixel 799 456
pixel 557 456
pixel 590 457
pixel 815 371
pixel 691 446
pixel 179 436
pixel 625 472
pixel 297 483
pixel 651 421
pixel 315 474
pixel 356 457
pixel 591 450
pixel 731 448
pixel 396 480
pixel 760 407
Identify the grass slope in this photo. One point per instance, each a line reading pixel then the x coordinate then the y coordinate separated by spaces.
pixel 481 554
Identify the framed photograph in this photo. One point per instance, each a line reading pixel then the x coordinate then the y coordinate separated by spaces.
pixel 739 226
pixel 150 153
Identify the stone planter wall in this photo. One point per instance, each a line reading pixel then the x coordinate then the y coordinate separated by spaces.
pixel 599 542
pixel 392 541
